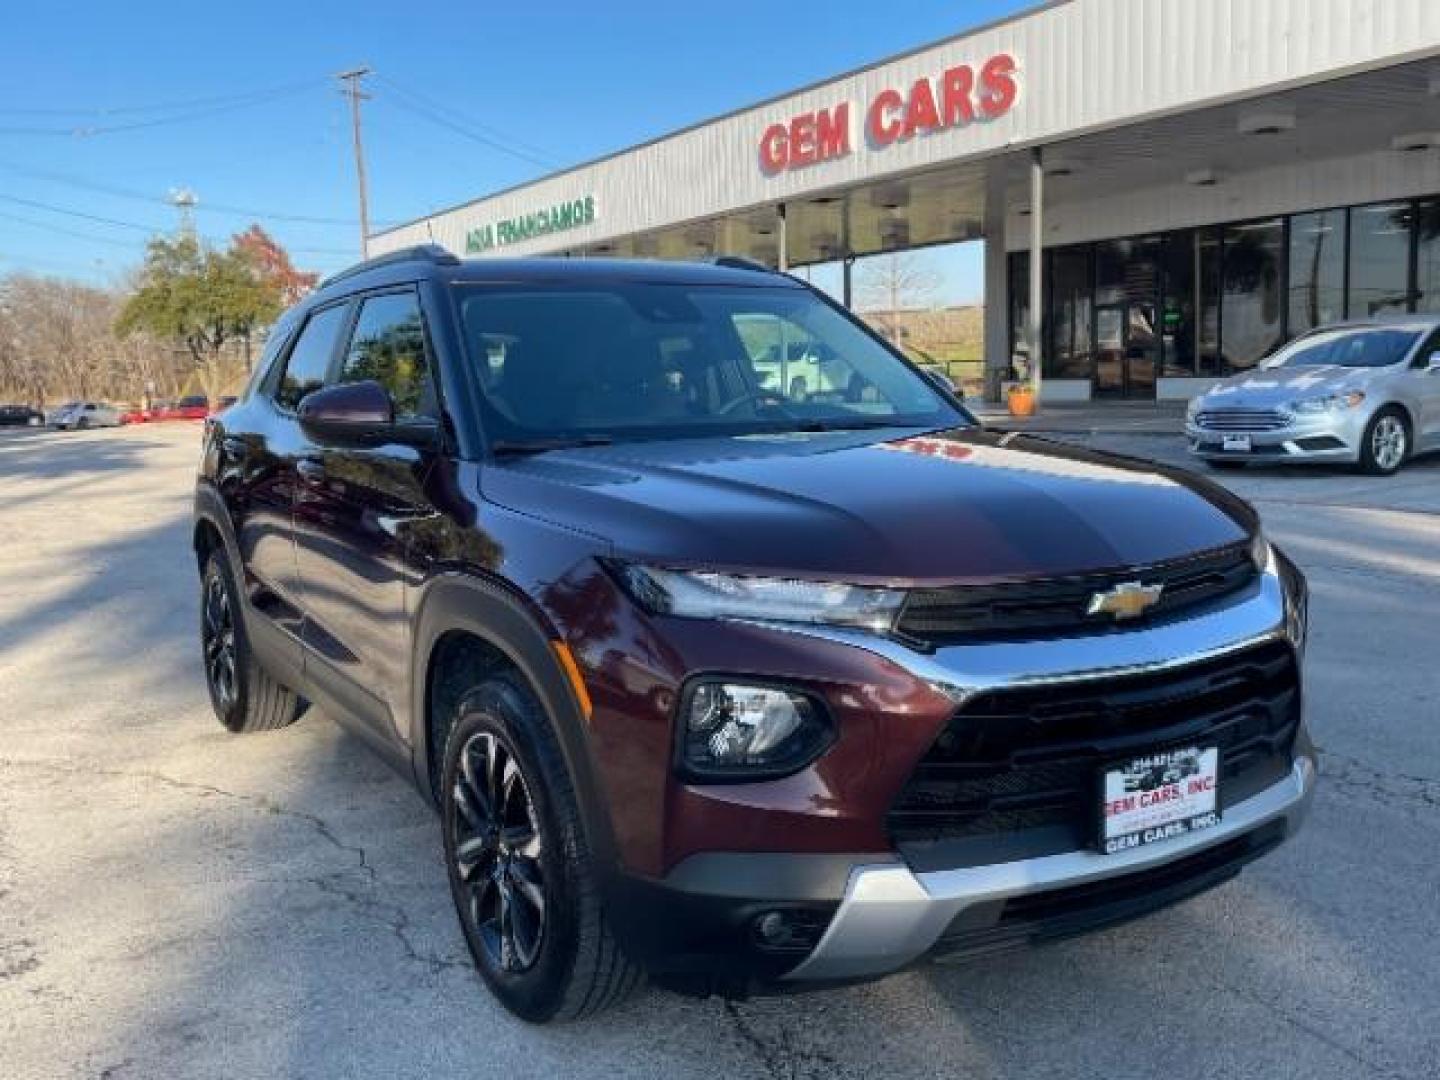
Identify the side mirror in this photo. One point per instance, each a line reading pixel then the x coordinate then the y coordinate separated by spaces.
pixel 360 415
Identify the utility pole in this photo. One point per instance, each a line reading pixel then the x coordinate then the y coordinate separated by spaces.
pixel 356 94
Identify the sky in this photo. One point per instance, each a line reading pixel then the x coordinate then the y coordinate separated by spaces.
pixel 106 108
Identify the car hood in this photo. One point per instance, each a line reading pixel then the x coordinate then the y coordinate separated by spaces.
pixel 959 506
pixel 1280 386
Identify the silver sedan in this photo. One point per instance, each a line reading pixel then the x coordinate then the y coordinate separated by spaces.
pixel 1364 393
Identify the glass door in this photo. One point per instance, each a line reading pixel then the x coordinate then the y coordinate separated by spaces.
pixel 1127 332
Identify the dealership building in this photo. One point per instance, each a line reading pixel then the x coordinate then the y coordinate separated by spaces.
pixel 1203 180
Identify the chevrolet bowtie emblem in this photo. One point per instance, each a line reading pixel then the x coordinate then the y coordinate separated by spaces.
pixel 1129 600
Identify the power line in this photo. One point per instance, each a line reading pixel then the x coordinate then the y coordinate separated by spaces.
pixel 151 230
pixel 166 106
pixel 412 103
pixel 37 205
pixel 468 121
pixel 60 229
pixel 139 196
pixel 246 102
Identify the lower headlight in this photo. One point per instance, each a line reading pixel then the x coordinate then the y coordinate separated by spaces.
pixel 731 730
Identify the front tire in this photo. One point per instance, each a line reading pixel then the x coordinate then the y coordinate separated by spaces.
pixel 1386 443
pixel 244 695
pixel 520 868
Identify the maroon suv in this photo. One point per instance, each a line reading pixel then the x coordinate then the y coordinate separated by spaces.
pixel 731 649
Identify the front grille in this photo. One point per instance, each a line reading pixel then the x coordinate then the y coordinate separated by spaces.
pixel 1055 606
pixel 1242 420
pixel 1030 759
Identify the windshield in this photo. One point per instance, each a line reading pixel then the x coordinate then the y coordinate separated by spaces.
pixel 597 362
pixel 1365 347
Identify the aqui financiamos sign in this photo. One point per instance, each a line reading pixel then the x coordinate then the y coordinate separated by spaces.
pixel 959 96
pixel 561 217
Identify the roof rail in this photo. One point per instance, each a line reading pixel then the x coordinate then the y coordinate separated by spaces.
pixel 431 253
pixel 740 262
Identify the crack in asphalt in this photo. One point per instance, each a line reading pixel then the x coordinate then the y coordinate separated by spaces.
pixel 782 1061
pixel 390 915
pixel 1314 1031
pixel 1351 776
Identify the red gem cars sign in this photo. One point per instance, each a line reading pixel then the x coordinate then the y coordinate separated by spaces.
pixel 960 96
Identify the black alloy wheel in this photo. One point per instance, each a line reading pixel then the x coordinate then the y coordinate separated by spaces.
pixel 217 636
pixel 498 846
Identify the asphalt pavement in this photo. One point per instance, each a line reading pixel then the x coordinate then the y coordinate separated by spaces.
pixel 178 902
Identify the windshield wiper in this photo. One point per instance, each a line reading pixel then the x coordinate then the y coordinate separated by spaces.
pixel 520 447
pixel 848 425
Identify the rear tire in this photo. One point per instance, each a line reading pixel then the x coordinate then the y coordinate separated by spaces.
pixel 1386 443
pixel 244 695
pixel 519 863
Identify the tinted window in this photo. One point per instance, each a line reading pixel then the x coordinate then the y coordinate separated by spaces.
pixel 310 359
pixel 661 360
pixel 388 346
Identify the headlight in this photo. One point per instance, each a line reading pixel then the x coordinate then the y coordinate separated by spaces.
pixel 741 731
pixel 1193 408
pixel 700 594
pixel 1328 403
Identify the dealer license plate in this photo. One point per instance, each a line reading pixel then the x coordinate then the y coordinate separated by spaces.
pixel 1158 797
pixel 1239 444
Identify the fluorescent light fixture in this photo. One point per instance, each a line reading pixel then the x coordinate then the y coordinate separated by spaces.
pixel 1271 122
pixel 1415 141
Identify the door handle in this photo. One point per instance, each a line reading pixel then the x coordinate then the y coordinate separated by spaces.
pixel 311 471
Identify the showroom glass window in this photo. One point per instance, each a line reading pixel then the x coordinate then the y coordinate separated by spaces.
pixel 1182 302
pixel 1379 259
pixel 1020 305
pixel 1427 256
pixel 1207 344
pixel 1071 315
pixel 1317 270
pixel 1250 307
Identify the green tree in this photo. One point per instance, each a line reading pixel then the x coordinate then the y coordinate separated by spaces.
pixel 202 299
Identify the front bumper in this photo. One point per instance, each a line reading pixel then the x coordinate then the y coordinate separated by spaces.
pixel 1334 437
pixel 890 916
pixel 876 913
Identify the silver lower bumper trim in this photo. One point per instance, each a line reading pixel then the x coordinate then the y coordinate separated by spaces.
pixel 891 916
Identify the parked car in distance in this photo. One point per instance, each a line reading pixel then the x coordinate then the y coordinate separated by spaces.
pixel 720 684
pixel 1364 393
pixel 20 416
pixel 188 408
pixel 84 414
pixel 135 414
pixel 222 403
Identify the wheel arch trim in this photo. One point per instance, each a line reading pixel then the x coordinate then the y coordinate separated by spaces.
pixel 455 601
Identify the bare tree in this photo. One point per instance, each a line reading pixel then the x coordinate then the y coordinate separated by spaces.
pixel 887 285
